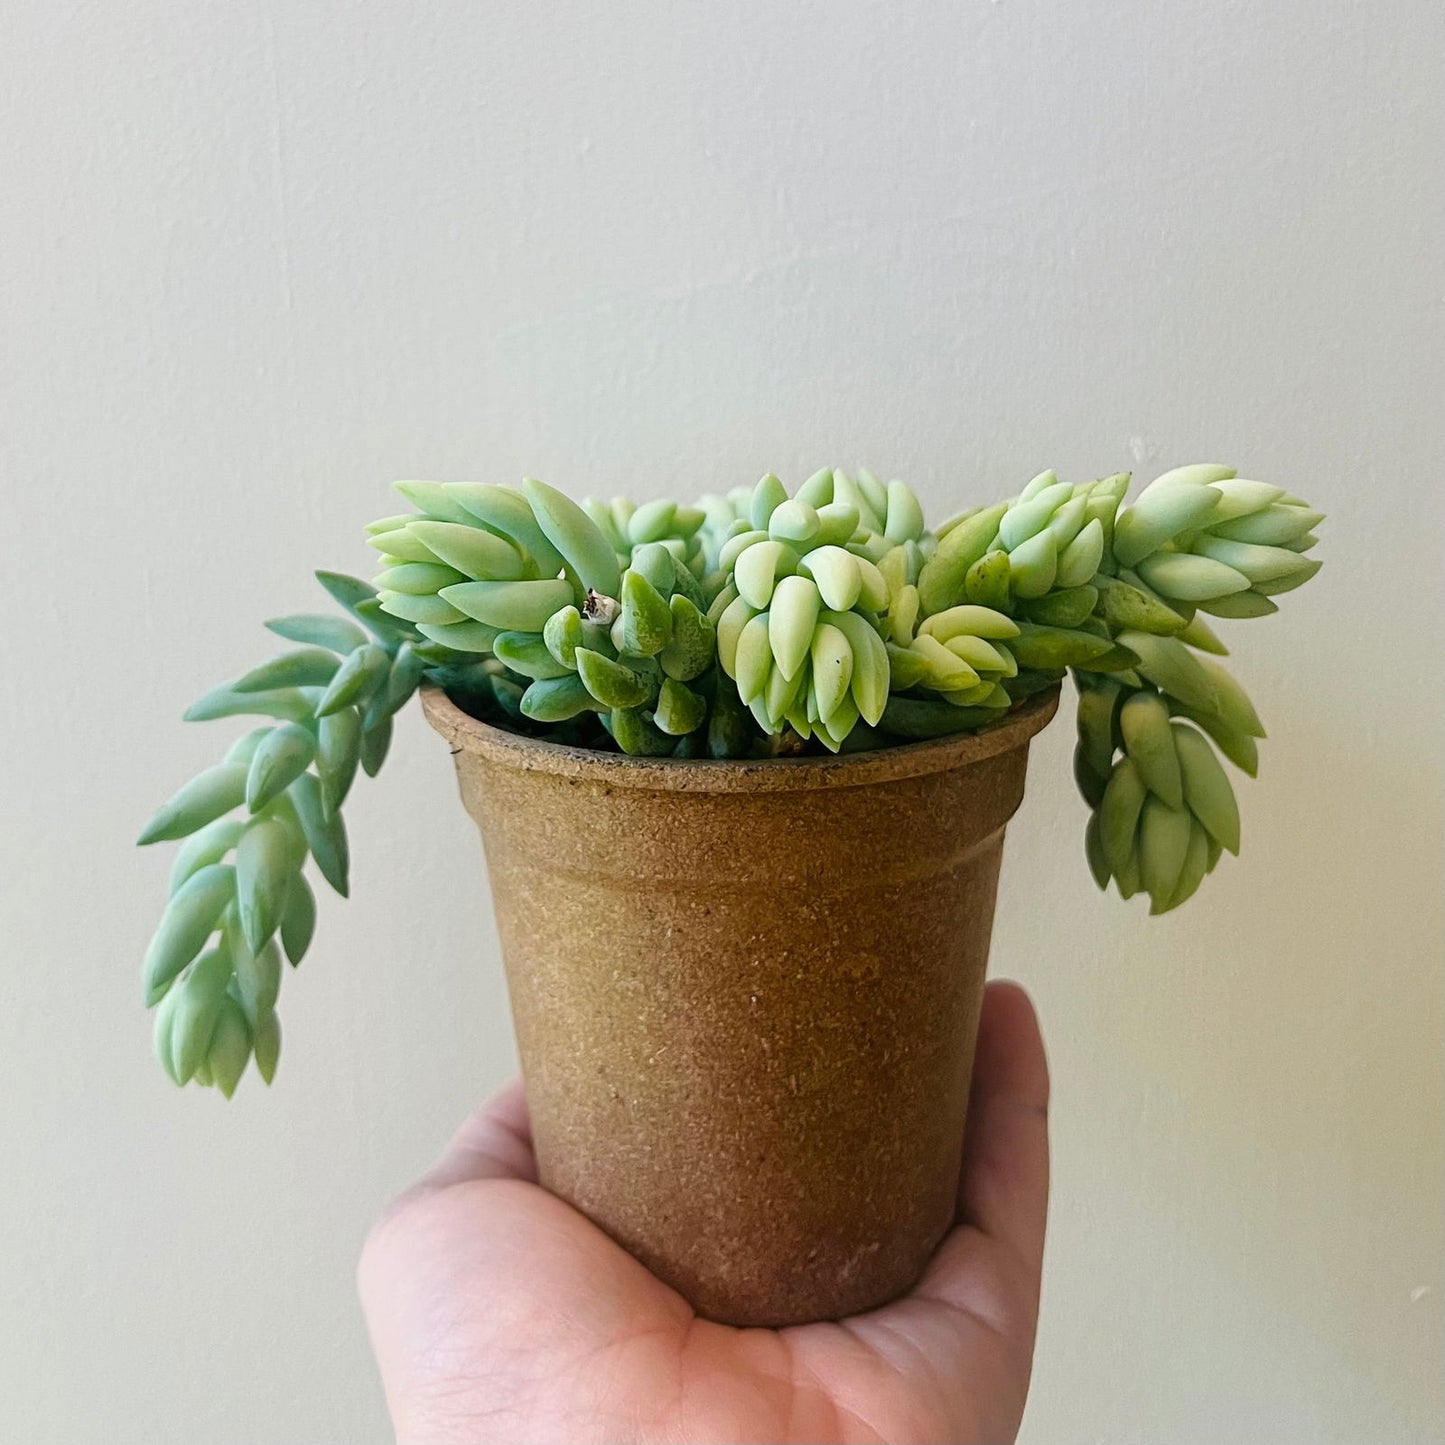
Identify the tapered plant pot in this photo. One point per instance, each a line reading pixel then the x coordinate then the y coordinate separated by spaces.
pixel 746 996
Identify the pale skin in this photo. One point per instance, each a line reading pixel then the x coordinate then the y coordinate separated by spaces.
pixel 499 1313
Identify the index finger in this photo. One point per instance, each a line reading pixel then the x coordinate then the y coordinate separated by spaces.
pixel 1003 1189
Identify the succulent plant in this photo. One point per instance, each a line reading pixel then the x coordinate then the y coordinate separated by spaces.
pixel 753 624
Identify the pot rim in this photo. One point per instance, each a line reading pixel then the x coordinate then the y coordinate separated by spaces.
pixel 734 775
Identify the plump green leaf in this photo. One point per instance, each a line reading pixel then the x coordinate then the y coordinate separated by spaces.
pixel 375 744
pixel 305 667
pixel 190 918
pixel 195 1005
pixel 338 752
pixel 230 1049
pixel 554 699
pixel 613 684
pixel 283 755
pixel 209 845
pixel 298 923
pixel 209 794
pixel 318 629
pixel 358 677
pixel 290 703
pixel 265 871
pixel 325 836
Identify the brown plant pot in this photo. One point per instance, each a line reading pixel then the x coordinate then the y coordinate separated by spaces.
pixel 746 996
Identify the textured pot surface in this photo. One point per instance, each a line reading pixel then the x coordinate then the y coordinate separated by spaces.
pixel 746 996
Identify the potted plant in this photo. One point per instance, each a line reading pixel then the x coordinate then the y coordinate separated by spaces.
pixel 742 772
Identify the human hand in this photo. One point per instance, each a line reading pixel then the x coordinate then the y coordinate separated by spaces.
pixel 498 1312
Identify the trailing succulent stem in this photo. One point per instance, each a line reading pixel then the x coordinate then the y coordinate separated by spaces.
pixel 754 624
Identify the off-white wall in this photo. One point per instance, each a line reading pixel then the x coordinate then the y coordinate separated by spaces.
pixel 261 258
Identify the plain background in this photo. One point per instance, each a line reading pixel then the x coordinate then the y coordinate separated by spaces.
pixel 260 259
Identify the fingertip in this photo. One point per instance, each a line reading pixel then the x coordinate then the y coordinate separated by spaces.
pixel 506 1109
pixel 1009 990
pixel 1011 1059
pixel 493 1143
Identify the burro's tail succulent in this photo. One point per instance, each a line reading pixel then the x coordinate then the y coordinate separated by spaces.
pixel 754 624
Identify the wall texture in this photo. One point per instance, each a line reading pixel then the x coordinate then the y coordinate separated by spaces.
pixel 258 259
